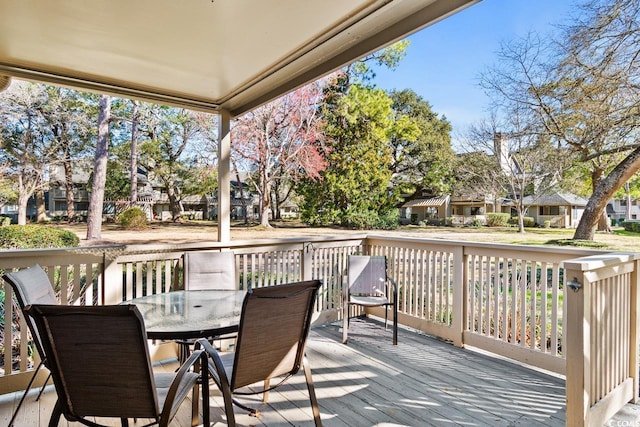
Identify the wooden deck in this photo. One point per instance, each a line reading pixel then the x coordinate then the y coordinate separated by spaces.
pixel 369 382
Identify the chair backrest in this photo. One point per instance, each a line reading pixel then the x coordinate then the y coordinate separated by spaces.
pixel 99 360
pixel 274 325
pixel 31 286
pixel 367 275
pixel 209 270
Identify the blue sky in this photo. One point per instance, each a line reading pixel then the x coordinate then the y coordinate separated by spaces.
pixel 444 60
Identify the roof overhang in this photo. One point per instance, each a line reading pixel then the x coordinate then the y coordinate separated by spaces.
pixel 201 54
pixel 427 202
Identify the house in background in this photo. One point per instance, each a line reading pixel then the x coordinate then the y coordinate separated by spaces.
pixel 432 210
pixel 617 210
pixel 562 210
pixel 466 210
pixel 57 194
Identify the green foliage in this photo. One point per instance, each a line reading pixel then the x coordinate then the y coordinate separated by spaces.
pixel 4 221
pixel 527 220
pixel 133 219
pixel 497 219
pixel 388 57
pixel 36 236
pixel 353 190
pixel 632 226
pixel 547 224
pixel 423 160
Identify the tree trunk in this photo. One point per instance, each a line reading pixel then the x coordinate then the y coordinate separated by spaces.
pixel 602 194
pixel 243 202
pixel 174 203
pixel 94 218
pixel 627 213
pixel 41 209
pixel 23 198
pixel 265 198
pixel 133 199
pixel 68 185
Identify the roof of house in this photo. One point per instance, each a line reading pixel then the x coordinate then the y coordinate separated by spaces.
pixel 556 199
pixel 426 201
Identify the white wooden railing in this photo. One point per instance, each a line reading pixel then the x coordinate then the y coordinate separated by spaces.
pixel 506 299
pixel 602 337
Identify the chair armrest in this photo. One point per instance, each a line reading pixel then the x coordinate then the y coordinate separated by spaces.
pixel 394 290
pixel 196 356
pixel 214 363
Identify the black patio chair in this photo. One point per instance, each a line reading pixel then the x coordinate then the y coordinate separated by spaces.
pixel 100 365
pixel 31 286
pixel 274 326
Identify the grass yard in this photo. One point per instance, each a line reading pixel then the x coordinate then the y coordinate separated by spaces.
pixel 198 231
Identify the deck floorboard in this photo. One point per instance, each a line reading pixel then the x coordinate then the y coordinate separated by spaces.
pixel 422 381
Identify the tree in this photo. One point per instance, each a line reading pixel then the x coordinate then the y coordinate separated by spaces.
pixel 169 131
pixel 281 141
pixel 421 162
pixel 68 116
pixel 96 201
pixel 27 146
pixel 133 165
pixel 354 189
pixel 584 90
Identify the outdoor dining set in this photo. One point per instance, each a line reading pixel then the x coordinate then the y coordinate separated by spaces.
pixel 99 359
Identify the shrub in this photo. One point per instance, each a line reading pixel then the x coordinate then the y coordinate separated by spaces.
pixel 547 224
pixel 389 220
pixel 4 221
pixel 133 219
pixel 497 219
pixel 36 236
pixel 529 221
pixel 633 226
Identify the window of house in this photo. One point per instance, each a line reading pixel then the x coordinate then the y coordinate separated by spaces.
pixel 431 212
pixel 554 210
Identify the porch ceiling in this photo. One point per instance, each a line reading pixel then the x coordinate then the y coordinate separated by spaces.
pixel 202 54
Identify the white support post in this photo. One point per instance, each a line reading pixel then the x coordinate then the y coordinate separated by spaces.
pixel 577 329
pixel 224 177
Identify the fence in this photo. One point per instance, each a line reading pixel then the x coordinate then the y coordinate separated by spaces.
pixel 507 299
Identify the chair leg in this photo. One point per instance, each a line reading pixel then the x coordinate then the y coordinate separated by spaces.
pixel 228 405
pixel 312 393
pixel 24 395
pixel 345 322
pixel 204 372
pixel 395 324
pixel 386 316
pixel 43 386
pixel 265 395
pixel 55 415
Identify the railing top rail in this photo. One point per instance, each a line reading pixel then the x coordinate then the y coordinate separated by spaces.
pixel 24 257
pixel 487 245
pixel 593 262
pixel 239 244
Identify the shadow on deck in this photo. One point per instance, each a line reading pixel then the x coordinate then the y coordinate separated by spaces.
pixel 369 382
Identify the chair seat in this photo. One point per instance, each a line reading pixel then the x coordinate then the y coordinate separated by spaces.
pixel 369 301
pixel 163 382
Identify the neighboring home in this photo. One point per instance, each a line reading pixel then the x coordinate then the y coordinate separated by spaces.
pixel 429 209
pixel 289 210
pixel 466 210
pixel 562 210
pixel 617 210
pixel 57 203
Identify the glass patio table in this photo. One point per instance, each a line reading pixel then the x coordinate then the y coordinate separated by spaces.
pixel 182 315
